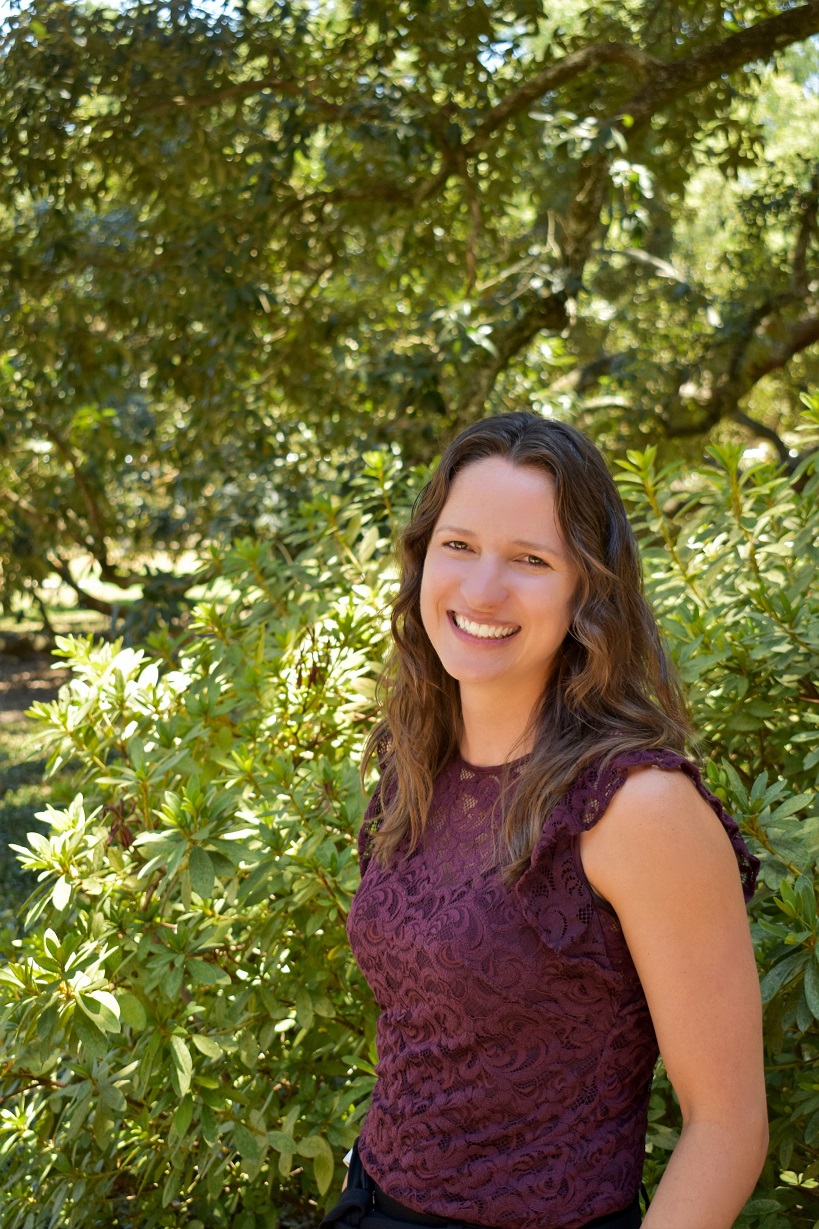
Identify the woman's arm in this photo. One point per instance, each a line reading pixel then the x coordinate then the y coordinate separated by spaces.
pixel 662 859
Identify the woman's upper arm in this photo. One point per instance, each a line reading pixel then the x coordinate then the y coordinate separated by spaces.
pixel 662 859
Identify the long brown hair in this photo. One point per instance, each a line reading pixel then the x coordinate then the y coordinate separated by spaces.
pixel 612 688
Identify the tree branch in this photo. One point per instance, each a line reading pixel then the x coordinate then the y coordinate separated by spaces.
pixel 789 339
pixel 581 378
pixel 86 600
pixel 96 544
pixel 670 81
pixel 661 267
pixel 549 312
pixel 800 278
pixel 764 432
pixel 758 42
pixel 89 499
pixel 238 91
pixel 550 76
pixel 764 349
pixel 582 220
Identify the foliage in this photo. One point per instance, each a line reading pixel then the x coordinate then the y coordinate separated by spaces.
pixel 184 1027
pixel 236 240
pixel 184 1034
pixel 22 793
pixel 731 559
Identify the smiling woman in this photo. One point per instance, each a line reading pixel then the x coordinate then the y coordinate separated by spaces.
pixel 496 607
pixel 550 896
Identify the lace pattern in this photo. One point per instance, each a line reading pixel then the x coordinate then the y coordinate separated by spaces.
pixel 515 1045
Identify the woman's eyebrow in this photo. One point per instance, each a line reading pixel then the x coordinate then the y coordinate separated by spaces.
pixel 453 529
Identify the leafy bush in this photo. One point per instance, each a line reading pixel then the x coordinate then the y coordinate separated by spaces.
pixel 183 1028
pixel 731 566
pixel 185 1039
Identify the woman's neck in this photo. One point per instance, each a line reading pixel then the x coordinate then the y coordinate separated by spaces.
pixel 493 733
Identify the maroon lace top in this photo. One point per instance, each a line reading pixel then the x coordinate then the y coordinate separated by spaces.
pixel 515 1045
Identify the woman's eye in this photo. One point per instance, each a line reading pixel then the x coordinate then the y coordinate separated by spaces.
pixel 536 561
pixel 458 546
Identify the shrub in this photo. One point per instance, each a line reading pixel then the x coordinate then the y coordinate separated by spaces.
pixel 183 1032
pixel 730 558
pixel 185 1039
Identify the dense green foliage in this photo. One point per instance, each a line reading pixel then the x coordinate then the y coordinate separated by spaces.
pixel 733 575
pixel 184 1039
pixel 191 959
pixel 239 239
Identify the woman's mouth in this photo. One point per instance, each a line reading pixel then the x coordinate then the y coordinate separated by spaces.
pixel 483 631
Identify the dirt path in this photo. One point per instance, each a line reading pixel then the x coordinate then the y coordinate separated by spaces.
pixel 24 679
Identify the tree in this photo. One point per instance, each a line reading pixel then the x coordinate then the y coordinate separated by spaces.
pixel 238 243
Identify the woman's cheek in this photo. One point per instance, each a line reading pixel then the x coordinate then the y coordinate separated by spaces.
pixel 425 602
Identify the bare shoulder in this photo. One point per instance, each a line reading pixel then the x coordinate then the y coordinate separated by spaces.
pixel 657 828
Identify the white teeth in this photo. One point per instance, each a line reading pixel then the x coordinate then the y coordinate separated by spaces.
pixel 483 630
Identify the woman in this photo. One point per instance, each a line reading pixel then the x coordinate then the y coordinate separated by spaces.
pixel 549 892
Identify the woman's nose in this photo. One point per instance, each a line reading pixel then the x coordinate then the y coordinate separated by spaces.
pixel 485 586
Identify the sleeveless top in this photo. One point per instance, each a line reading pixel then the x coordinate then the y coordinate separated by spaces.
pixel 515 1045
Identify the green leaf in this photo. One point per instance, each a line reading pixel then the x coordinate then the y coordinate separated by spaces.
pixel 92 1038
pixel 311 1145
pixel 202 874
pixel 108 1006
pixel 113 1097
pixel 171 1188
pixel 135 749
pixel 812 1129
pixel 61 893
pixel 323 1167
pixel 781 973
pixel 52 944
pixel 246 1142
pixel 47 1022
pixel 304 1007
pixel 101 1008
pixel 131 1010
pixel 812 988
pixel 210 1127
pixel 182 1117
pixel 207 1045
pixel 206 974
pixel 282 1142
pixel 791 806
pixel 182 1064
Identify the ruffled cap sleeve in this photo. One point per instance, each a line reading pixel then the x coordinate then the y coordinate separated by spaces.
pixel 587 799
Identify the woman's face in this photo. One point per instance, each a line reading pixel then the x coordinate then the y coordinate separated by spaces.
pixel 498 584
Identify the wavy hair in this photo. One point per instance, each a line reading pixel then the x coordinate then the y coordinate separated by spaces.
pixel 612 688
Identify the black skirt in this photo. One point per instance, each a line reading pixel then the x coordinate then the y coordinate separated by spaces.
pixel 363 1205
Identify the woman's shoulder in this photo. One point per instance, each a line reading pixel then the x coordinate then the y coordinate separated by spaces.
pixel 660 813
pixel 654 803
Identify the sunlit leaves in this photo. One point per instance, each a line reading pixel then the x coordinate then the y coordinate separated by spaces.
pixel 245 242
pixel 199 971
pixel 731 554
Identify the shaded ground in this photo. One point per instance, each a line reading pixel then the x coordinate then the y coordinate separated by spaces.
pixel 23 679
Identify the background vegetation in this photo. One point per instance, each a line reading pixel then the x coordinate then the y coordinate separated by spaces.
pixel 258 262
pixel 240 243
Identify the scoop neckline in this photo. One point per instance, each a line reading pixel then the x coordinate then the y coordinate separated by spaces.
pixel 491 768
